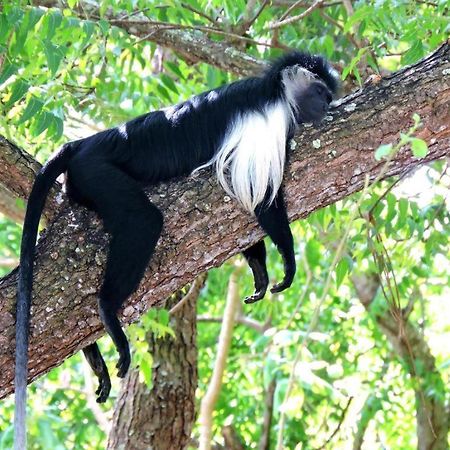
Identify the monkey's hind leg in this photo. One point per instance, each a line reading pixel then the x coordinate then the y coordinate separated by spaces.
pixel 135 225
pixel 97 363
pixel 135 231
pixel 256 258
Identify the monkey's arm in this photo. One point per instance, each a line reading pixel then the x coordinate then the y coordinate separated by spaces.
pixel 256 258
pixel 274 222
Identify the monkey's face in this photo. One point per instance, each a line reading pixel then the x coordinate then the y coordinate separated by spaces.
pixel 308 96
pixel 312 103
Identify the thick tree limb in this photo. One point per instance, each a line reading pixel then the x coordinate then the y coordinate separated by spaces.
pixel 203 227
pixel 191 45
pixel 18 170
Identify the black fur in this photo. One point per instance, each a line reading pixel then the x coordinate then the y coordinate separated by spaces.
pixel 107 172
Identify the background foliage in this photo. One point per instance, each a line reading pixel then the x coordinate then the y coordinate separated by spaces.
pixel 65 74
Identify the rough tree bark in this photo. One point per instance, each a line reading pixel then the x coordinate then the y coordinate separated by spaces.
pixel 203 227
pixel 161 418
pixel 18 170
pixel 432 418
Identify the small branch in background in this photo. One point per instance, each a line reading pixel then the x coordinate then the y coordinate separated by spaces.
pixel 248 20
pixel 10 206
pixel 200 13
pixel 193 292
pixel 356 43
pixel 297 4
pixel 231 438
pixel 241 320
pixel 288 21
pixel 338 427
pixel 208 402
pixel 9 262
pixel 264 442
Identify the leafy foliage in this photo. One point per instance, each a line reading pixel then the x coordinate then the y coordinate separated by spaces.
pixel 68 72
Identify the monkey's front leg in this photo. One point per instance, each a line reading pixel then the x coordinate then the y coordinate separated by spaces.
pixel 274 221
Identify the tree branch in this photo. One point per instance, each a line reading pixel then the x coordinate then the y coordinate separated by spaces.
pixel 191 45
pixel 203 227
pixel 209 400
pixel 18 170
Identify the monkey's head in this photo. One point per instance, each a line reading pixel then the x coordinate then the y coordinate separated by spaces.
pixel 309 83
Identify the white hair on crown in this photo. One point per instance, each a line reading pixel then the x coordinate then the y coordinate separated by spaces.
pixel 296 79
pixel 250 160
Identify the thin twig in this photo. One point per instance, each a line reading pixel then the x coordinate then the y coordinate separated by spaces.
pixel 338 427
pixel 194 290
pixel 293 19
pixel 200 13
pixel 257 14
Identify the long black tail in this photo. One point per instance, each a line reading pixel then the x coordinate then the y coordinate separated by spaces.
pixel 42 185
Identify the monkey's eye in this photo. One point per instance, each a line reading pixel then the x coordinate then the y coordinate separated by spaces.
pixel 320 90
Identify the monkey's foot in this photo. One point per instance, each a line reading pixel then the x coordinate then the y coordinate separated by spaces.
pixel 124 363
pixel 258 295
pixel 287 281
pixel 104 388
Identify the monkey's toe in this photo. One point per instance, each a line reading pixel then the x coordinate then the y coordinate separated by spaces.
pixel 123 364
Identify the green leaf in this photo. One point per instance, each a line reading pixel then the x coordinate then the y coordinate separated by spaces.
pixel 168 82
pixel 5 29
pixel 56 127
pixel 163 317
pixel 53 21
pixel 8 70
pixel 88 28
pixel 415 52
pixel 44 120
pixel 342 269
pixel 174 69
pixel 313 253
pixel 33 17
pixel 15 16
pixel 351 67
pixel 360 14
pixel 145 368
pixel 54 56
pixel 392 207
pixel 402 212
pixel 33 107
pixel 419 147
pixel 382 151
pixel 104 25
pixel 19 89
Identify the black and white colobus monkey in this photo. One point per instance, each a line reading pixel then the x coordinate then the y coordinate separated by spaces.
pixel 241 129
